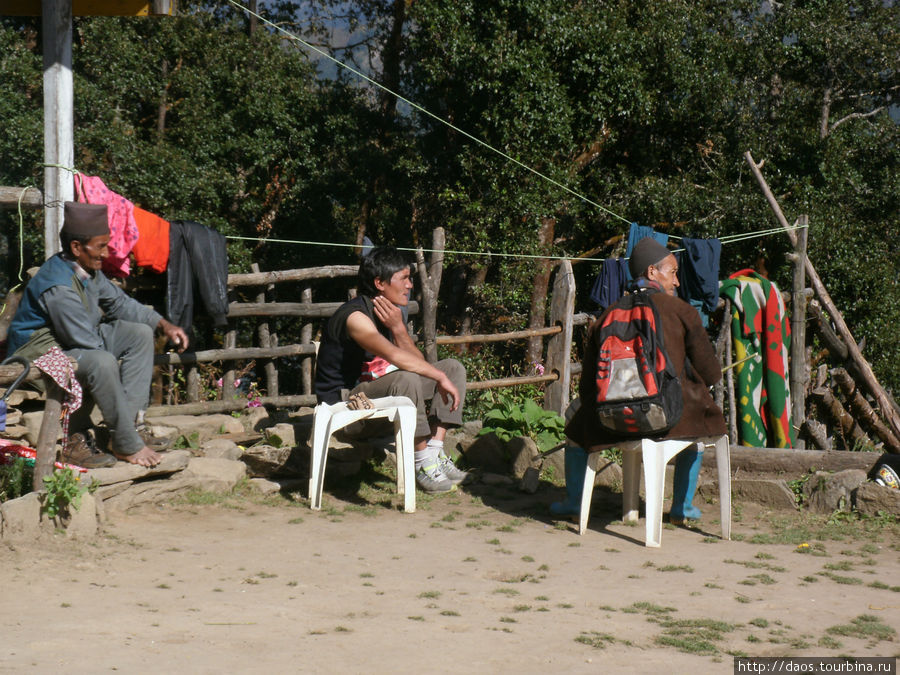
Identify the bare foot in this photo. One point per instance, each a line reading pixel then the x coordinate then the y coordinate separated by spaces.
pixel 144 457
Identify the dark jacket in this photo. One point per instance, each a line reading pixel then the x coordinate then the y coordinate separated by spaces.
pixel 197 255
pixel 684 335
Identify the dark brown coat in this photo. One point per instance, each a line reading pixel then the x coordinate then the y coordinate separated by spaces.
pixel 684 335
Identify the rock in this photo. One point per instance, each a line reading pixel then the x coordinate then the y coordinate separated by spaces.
pixel 609 474
pixel 109 491
pixel 214 474
pixel 489 453
pixel 264 460
pixel 221 448
pixel 21 518
pixel 265 487
pixel 772 492
pixel 149 492
pixel 830 492
pixel 530 480
pixel 16 432
pixel 496 479
pixel 172 461
pixel 32 423
pixel 343 469
pixel 255 419
pixel 525 455
pixel 872 498
pixel 284 432
pixel 83 520
pixel 201 428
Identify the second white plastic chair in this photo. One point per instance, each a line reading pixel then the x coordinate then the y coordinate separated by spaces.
pixel 399 410
pixel 655 455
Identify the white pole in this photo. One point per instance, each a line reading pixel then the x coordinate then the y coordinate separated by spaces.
pixel 59 142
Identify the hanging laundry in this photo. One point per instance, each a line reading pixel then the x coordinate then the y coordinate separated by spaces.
pixel 698 274
pixel 123 231
pixel 610 283
pixel 638 232
pixel 152 247
pixel 762 335
pixel 197 255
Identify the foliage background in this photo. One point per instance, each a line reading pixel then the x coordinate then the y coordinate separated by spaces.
pixel 645 108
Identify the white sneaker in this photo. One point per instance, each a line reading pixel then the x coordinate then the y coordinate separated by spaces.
pixel 431 480
pixel 453 473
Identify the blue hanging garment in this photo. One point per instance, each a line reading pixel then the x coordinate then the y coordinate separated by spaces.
pixel 698 274
pixel 638 232
pixel 610 283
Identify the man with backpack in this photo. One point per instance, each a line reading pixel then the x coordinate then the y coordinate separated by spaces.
pixel 633 354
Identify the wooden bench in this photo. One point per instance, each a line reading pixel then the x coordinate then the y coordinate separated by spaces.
pixel 50 423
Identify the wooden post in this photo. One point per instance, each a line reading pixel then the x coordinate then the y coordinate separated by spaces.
pixel 305 338
pixel 543 268
pixel 46 443
pixel 885 405
pixel 192 381
pixel 559 347
pixel 265 340
pixel 430 279
pixel 729 379
pixel 228 389
pixel 721 343
pixel 58 118
pixel 799 376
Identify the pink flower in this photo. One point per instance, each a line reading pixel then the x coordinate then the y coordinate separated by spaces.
pixel 219 382
pixel 538 368
pixel 237 382
pixel 254 403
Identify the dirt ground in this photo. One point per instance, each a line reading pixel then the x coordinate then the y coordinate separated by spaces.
pixel 475 581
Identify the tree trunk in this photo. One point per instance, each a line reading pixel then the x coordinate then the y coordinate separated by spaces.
pixel 538 311
pixel 430 279
pixel 863 411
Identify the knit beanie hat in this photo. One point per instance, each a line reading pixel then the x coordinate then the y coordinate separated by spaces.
pixel 85 220
pixel 646 252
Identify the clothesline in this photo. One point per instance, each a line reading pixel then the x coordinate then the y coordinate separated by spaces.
pixel 488 254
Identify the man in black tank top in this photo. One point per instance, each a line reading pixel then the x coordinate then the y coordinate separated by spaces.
pixel 366 349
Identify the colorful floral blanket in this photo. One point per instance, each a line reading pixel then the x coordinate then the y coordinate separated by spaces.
pixel 762 338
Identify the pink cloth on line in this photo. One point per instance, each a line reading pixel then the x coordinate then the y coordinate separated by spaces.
pixel 123 230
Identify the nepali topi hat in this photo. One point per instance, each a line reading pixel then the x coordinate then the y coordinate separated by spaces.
pixel 85 220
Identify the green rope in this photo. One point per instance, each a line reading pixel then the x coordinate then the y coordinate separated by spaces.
pixel 426 112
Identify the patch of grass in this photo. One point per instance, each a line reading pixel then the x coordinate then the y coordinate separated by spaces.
pixel 650 609
pixel 676 568
pixel 366 575
pixel 711 585
pixel 838 579
pixel 522 608
pixel 753 565
pixel 492 542
pixel 759 623
pixel 574 544
pixel 342 629
pixel 295 521
pixel 709 540
pixel 595 639
pixel 449 612
pixel 506 528
pixel 470 559
pixel 565 605
pixel 829 642
pixel 742 599
pixel 544 568
pixel 430 595
pixel 527 558
pixel 764 556
pixel 693 636
pixel 506 591
pixel 507 619
pixel 416 618
pixel 864 627
pixel 843 566
pixel 478 524
pixel 611 550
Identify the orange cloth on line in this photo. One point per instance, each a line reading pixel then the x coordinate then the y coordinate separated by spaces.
pixel 152 247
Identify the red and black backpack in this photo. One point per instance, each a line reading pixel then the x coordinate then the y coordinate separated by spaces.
pixel 638 391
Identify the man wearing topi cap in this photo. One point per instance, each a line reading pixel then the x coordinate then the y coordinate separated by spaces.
pixel 655 271
pixel 71 303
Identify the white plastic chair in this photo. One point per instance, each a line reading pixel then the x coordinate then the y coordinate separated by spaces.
pixel 655 455
pixel 327 419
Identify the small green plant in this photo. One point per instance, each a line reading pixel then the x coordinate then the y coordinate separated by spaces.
pixel 15 479
pixel 507 419
pixel 63 489
pixel 187 442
